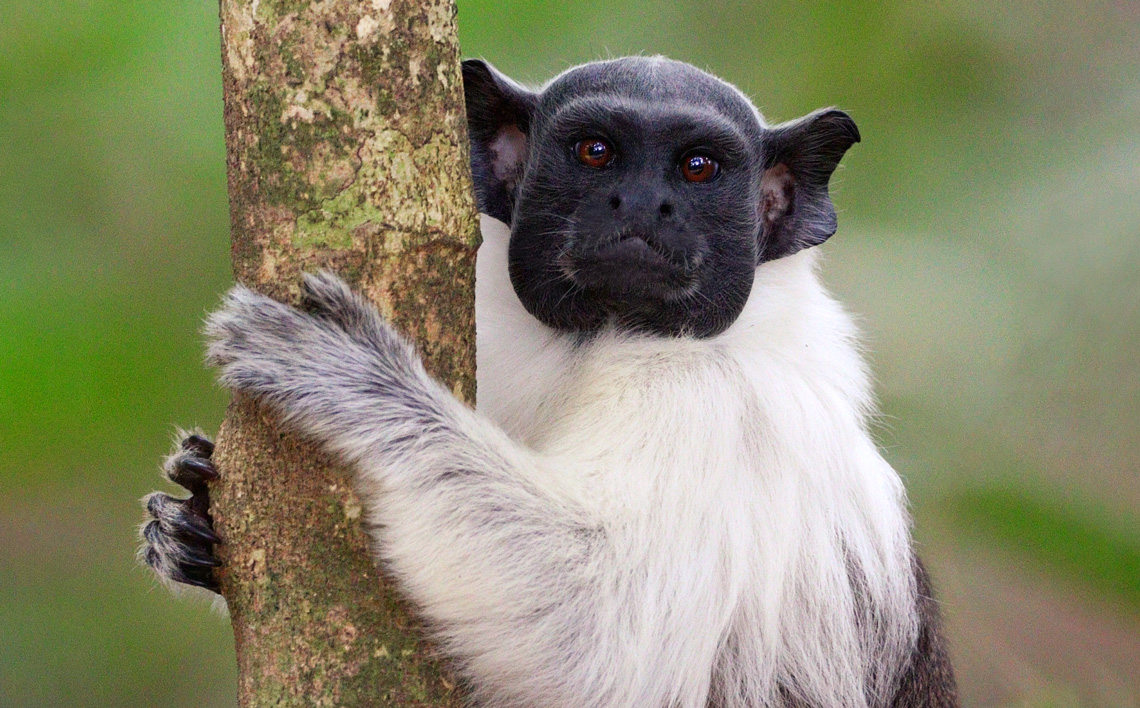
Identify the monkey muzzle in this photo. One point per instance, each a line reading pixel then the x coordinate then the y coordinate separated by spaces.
pixel 635 264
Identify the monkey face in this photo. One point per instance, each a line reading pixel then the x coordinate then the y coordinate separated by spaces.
pixel 643 193
pixel 641 209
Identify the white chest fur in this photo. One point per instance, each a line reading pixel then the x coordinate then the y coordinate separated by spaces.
pixel 756 522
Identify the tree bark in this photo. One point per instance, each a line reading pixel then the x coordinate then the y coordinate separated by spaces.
pixel 346 149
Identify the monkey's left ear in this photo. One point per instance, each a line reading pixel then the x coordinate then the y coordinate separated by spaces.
pixel 799 158
pixel 498 121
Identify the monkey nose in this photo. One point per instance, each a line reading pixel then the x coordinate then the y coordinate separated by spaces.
pixel 640 207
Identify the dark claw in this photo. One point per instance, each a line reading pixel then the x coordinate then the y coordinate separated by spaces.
pixel 191 472
pixel 198 577
pixel 199 528
pixel 187 524
pixel 180 520
pixel 163 545
pixel 198 558
pixel 202 466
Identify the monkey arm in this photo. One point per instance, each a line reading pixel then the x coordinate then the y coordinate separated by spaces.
pixel 503 562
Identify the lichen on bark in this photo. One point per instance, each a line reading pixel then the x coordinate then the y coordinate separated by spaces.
pixel 346 149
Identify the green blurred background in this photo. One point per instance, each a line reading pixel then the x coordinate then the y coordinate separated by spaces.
pixel 988 241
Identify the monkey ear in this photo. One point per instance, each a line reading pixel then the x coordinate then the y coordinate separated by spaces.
pixel 498 121
pixel 799 158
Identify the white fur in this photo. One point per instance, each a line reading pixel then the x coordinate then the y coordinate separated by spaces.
pixel 628 521
pixel 731 481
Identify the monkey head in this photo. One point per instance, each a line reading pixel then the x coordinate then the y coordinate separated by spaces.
pixel 644 193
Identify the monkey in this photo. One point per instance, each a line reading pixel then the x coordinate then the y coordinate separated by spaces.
pixel 669 495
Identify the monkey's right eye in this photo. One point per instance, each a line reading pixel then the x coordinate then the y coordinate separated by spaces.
pixel 594 152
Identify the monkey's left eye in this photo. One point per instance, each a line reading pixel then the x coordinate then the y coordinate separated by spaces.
pixel 699 168
pixel 594 152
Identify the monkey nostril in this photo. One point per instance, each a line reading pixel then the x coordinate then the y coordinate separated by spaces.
pixel 666 209
pixel 615 201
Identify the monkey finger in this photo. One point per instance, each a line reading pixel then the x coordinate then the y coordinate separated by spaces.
pixel 179 519
pixel 200 445
pixel 328 297
pixel 175 566
pixel 189 469
pixel 324 293
pixel 196 576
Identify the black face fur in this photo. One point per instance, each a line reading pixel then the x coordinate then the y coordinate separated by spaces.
pixel 630 238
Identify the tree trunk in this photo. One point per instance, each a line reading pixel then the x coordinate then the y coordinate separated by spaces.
pixel 346 149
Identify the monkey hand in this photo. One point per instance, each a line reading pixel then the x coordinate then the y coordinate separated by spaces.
pixel 334 369
pixel 178 539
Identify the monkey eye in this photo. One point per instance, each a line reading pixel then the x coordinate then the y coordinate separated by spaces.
pixel 699 168
pixel 594 152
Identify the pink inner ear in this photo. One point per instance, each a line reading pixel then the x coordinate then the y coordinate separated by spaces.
pixel 777 187
pixel 508 150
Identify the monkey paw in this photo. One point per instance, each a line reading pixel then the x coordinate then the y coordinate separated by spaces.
pixel 291 356
pixel 179 539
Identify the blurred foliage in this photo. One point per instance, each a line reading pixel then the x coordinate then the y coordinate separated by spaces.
pixel 988 239
pixel 1071 540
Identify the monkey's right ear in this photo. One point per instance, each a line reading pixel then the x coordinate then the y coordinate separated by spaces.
pixel 498 121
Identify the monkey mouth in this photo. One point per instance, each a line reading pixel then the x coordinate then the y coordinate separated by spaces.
pixel 632 266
